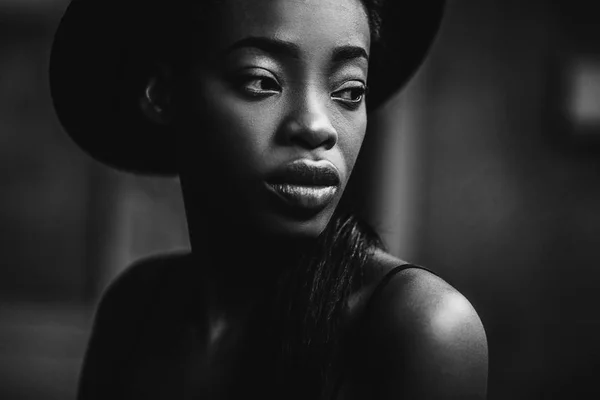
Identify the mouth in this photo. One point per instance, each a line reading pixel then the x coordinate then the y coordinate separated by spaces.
pixel 304 185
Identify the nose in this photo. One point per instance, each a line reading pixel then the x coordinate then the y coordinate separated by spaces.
pixel 309 125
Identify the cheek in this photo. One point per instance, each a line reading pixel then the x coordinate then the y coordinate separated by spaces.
pixel 351 140
pixel 234 129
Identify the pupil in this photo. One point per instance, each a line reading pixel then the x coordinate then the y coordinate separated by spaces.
pixel 267 84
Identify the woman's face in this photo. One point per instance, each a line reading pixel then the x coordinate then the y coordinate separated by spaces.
pixel 276 113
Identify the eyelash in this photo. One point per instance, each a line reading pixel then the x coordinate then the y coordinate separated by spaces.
pixel 353 103
pixel 245 81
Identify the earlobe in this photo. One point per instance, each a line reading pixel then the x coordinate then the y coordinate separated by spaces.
pixel 155 101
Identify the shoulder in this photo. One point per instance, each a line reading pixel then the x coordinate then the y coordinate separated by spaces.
pixel 136 282
pixel 146 270
pixel 427 336
pixel 117 321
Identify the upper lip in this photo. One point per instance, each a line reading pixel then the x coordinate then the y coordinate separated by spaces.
pixel 306 172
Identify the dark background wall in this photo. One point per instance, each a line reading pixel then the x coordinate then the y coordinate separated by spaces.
pixel 475 170
pixel 512 210
pixel 505 194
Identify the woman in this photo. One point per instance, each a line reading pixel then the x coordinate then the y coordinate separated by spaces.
pixel 261 108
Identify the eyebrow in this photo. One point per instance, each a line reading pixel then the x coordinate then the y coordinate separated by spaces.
pixel 348 53
pixel 280 47
pixel 269 45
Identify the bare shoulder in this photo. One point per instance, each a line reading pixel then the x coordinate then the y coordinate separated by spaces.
pixel 420 297
pixel 418 292
pixel 144 274
pixel 131 290
pixel 427 336
pixel 116 324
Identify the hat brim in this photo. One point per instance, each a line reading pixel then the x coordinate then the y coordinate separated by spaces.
pixel 91 70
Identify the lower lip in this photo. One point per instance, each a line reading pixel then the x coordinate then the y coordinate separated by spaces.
pixel 311 198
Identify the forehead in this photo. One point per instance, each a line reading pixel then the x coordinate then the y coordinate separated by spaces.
pixel 308 21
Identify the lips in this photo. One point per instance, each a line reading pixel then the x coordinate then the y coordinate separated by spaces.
pixel 305 185
pixel 306 173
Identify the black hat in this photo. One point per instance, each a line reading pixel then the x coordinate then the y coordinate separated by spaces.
pixel 97 45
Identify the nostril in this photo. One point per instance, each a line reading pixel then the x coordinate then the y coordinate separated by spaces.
pixel 312 131
pixel 312 141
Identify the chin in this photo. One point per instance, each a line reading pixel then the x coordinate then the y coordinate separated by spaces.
pixel 294 227
pixel 288 220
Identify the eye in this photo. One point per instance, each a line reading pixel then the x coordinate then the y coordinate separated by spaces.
pixel 351 93
pixel 258 84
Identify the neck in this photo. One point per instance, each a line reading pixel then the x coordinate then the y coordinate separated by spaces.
pixel 238 266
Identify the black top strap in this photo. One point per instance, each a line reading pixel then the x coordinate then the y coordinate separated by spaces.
pixel 386 279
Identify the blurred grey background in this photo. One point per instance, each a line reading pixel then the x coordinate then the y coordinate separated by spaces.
pixel 485 169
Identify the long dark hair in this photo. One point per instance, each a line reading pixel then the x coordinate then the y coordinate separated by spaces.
pixel 309 306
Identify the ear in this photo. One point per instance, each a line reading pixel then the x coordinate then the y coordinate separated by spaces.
pixel 156 99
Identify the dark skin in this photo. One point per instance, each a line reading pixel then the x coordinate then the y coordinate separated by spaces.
pixel 251 107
